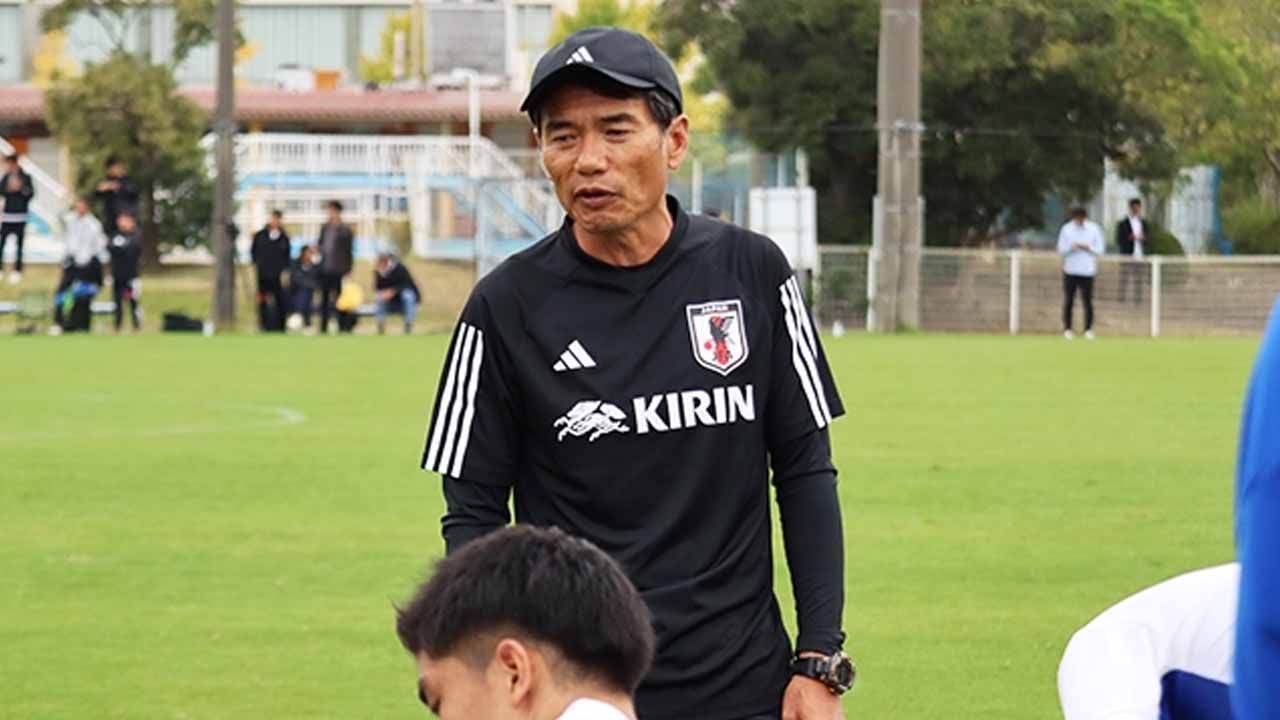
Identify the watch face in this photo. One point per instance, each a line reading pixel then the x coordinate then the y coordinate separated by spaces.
pixel 841 672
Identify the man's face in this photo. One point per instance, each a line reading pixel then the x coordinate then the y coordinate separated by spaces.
pixel 116 170
pixel 82 207
pixel 607 156
pixel 335 215
pixel 1135 210
pixel 274 222
pixel 125 223
pixel 455 689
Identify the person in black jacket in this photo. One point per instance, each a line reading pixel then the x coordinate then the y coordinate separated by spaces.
pixel 16 190
pixel 336 246
pixel 304 279
pixel 1131 238
pixel 270 253
pixel 117 193
pixel 395 292
pixel 125 247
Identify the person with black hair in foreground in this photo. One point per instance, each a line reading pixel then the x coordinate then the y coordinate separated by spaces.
pixel 528 624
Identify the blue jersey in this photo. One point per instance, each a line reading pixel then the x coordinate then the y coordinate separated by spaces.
pixel 1256 695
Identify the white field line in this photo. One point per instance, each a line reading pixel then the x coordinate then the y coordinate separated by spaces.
pixel 269 417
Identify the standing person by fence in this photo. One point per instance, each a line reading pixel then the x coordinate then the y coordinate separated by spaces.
pixel 16 190
pixel 1131 239
pixel 335 260
pixel 270 253
pixel 1079 243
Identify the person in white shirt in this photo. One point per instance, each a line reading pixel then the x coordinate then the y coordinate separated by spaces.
pixel 1131 239
pixel 528 624
pixel 81 266
pixel 1079 243
pixel 1163 654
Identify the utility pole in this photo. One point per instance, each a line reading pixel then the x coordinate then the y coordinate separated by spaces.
pixel 224 126
pixel 899 210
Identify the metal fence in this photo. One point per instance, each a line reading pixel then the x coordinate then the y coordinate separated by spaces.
pixel 1019 291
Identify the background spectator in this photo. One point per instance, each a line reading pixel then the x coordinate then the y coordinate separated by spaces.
pixel 117 193
pixel 1131 239
pixel 16 191
pixel 304 279
pixel 81 269
pixel 270 253
pixel 125 248
pixel 395 292
pixel 335 260
pixel 1079 243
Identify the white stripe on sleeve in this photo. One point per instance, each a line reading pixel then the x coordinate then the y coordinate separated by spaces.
pixel 811 344
pixel 455 405
pixel 451 430
pixel 797 359
pixel 477 357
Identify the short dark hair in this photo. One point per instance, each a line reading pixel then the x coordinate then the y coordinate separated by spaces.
pixel 662 107
pixel 1135 201
pixel 112 160
pixel 334 204
pixel 1079 211
pixel 541 584
pixel 277 213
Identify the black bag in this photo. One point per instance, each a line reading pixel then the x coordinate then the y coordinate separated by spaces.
pixel 177 322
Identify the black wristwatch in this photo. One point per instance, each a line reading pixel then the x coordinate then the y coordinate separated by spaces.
pixel 837 672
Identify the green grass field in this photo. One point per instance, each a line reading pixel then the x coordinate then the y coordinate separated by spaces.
pixel 217 528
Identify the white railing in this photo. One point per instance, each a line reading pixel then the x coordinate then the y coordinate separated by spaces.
pixel 1021 291
pixel 445 155
pixel 51 199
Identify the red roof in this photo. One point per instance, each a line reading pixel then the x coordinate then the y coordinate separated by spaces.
pixel 25 104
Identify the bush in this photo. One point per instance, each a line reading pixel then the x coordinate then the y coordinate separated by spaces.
pixel 1162 242
pixel 1253 227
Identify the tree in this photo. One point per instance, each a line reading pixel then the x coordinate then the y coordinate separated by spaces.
pixel 129 106
pixel 1021 97
pixel 381 69
pixel 630 14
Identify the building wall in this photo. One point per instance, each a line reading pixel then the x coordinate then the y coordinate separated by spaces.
pixel 316 34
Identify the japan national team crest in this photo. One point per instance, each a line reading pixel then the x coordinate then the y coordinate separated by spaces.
pixel 719 335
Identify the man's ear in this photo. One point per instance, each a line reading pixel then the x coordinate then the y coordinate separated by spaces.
pixel 514 662
pixel 677 142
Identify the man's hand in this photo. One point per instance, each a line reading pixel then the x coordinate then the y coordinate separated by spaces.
pixel 108 186
pixel 808 699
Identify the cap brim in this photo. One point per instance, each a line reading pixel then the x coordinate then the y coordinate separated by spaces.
pixel 548 82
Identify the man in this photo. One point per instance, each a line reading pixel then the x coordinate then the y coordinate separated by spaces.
pixel 1131 238
pixel 396 292
pixel 270 253
pixel 1256 693
pixel 125 248
pixel 1079 243
pixel 81 269
pixel 335 260
pixel 632 377
pixel 528 624
pixel 117 193
pixel 1162 654
pixel 16 190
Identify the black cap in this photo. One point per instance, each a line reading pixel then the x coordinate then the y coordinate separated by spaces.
pixel 622 56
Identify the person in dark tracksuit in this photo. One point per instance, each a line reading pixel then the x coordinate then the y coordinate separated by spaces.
pixel 639 378
pixel 125 247
pixel 270 253
pixel 395 292
pixel 16 190
pixel 117 193
pixel 336 243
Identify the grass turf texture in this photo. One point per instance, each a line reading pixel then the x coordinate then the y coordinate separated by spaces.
pixel 217 528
